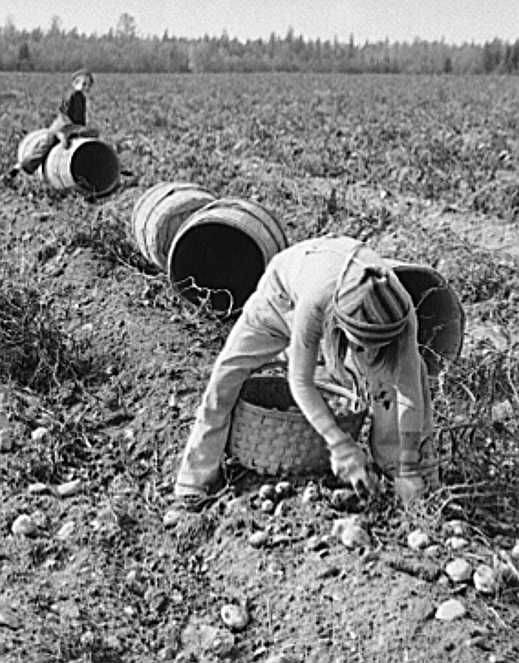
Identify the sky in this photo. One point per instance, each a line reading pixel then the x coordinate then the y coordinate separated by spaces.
pixel 398 20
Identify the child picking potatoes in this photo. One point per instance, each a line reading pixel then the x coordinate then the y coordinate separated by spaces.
pixel 337 294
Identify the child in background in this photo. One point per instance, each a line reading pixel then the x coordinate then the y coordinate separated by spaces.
pixel 70 121
pixel 334 293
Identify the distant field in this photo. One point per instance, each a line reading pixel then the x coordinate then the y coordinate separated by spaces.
pixel 433 137
pixel 96 347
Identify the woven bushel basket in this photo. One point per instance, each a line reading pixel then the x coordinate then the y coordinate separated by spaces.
pixel 268 437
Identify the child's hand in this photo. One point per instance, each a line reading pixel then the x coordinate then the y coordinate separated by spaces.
pixel 353 469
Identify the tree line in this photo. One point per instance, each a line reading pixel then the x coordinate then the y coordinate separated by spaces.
pixel 121 49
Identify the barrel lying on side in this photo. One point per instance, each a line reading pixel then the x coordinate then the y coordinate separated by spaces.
pixel 159 213
pixel 222 250
pixel 88 165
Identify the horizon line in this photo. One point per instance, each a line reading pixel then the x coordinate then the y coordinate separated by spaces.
pixel 276 34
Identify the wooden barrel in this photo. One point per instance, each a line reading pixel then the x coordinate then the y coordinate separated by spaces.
pixel 220 252
pixel 440 316
pixel 160 211
pixel 88 165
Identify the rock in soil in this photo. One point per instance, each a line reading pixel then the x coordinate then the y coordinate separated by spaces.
pixel 37 488
pixel 105 517
pixel 40 519
pixel 113 642
pixel 24 525
pixel 87 639
pixel 454 528
pixel 456 543
pixel 8 618
pixel 418 540
pixel 310 494
pixel 515 551
pixel 459 570
pixel 450 610
pixel 502 411
pixel 69 488
pixel 485 579
pixel 283 488
pixel 235 617
pixel 135 582
pixel 39 434
pixel 6 442
pixel 350 532
pixel 267 506
pixel 66 530
pixel 258 539
pixel 173 516
pixel 236 506
pixel 355 537
pixel 199 637
pixel 267 492
pixel 223 644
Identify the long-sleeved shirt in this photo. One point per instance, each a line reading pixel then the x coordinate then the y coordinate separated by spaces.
pixel 74 107
pixel 302 280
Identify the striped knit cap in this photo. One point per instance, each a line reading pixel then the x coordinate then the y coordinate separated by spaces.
pixel 373 310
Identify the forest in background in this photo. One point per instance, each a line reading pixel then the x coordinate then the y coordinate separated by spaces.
pixel 122 49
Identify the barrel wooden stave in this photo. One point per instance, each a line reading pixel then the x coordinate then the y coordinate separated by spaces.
pixel 160 211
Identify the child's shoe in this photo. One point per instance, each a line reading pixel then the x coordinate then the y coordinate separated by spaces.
pixel 183 507
pixel 188 500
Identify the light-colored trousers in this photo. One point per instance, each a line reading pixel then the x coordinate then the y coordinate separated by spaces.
pixel 258 336
pixel 36 155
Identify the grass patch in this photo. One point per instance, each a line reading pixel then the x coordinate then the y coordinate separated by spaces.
pixel 36 351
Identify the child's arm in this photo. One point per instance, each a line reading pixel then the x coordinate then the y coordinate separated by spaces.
pixel 303 352
pixel 348 461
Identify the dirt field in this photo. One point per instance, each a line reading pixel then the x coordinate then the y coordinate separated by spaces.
pixel 98 350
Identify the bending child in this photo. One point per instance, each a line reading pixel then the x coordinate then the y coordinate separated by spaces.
pixel 70 121
pixel 336 293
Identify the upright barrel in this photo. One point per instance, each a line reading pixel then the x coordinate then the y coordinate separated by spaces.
pixel 220 252
pixel 159 213
pixel 88 165
pixel 440 316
